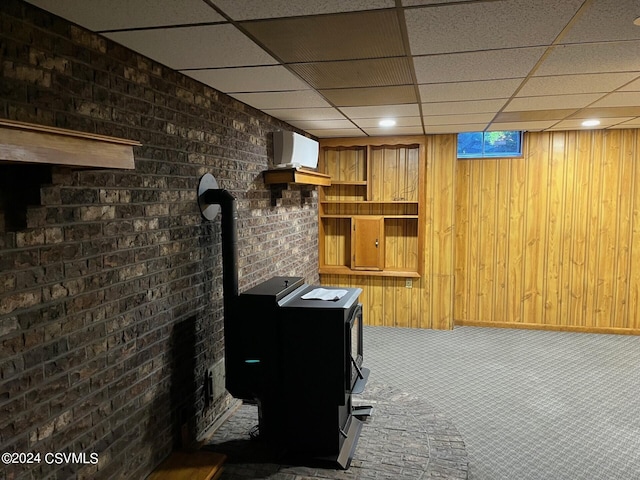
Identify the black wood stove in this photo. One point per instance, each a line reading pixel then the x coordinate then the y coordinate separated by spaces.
pixel 299 359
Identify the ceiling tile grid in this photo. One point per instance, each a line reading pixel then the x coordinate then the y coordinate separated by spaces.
pixel 272 78
pixel 195 46
pixel 259 9
pixel 376 72
pixel 476 26
pixel 468 66
pixel 345 36
pixel 334 68
pixel 100 15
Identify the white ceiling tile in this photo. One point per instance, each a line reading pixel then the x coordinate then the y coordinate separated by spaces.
pixel 531 126
pixel 458 119
pixel 607 112
pixel 576 124
pixel 571 84
pixel 371 96
pixel 295 99
pixel 288 114
pixel 592 58
pixel 408 110
pixel 491 65
pixel 487 25
pixel 619 99
pixel 633 123
pixel 254 9
pixel 272 78
pixel 551 102
pixel 99 15
pixel 400 122
pixel 381 132
pixel 472 127
pixel 472 106
pixel 321 124
pixel 479 90
pixel 632 87
pixel 535 115
pixel 413 3
pixel 606 21
pixel 340 132
pixel 208 46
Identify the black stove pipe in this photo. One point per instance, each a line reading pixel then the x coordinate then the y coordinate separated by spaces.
pixel 229 222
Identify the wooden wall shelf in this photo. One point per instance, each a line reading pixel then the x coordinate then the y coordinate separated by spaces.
pixel 29 143
pixel 297 176
pixel 371 218
pixel 341 270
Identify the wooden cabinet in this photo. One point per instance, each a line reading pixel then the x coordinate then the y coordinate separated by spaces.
pixel 367 242
pixel 370 217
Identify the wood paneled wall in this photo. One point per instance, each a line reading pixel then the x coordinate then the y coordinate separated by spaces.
pixel 551 240
pixel 429 301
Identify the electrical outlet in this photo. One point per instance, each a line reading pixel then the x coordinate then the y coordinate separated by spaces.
pixel 408 283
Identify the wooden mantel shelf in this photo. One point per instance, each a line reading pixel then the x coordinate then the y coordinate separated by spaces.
pixel 29 143
pixel 296 175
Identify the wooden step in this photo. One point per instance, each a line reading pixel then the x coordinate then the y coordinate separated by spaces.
pixel 195 465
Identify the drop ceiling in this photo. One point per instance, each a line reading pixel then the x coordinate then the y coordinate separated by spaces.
pixel 336 67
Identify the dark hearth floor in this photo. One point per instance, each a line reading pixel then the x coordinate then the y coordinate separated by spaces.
pixel 404 439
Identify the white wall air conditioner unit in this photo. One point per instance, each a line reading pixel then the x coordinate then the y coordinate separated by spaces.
pixel 293 150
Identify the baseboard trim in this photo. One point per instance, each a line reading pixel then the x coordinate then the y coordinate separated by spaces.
pixel 209 432
pixel 557 328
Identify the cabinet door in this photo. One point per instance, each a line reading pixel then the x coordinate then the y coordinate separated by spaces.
pixel 367 243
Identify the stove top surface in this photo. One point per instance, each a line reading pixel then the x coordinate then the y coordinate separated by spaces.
pixel 295 300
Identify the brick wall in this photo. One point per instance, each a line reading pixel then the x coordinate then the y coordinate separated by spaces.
pixel 110 282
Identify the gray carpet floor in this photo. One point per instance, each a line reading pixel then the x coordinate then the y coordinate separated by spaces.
pixel 529 405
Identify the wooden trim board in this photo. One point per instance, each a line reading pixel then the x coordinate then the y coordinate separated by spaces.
pixel 196 465
pixel 557 328
pixel 295 175
pixel 28 143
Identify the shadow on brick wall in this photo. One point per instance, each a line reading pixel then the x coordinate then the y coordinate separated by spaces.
pixel 183 382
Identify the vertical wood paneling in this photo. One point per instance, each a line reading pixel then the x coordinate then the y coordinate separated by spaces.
pixel 485 240
pixel 560 234
pixel 579 233
pixel 500 296
pixel 336 241
pixel 568 159
pixel 515 254
pixel 593 246
pixel 472 243
pixel 443 171
pixel 345 165
pixel 633 311
pixel 463 232
pixel 394 174
pixel 554 243
pixel 549 240
pixel 624 234
pixel 376 301
pixel 606 230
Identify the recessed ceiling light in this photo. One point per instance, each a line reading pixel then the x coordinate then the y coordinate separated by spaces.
pixel 637 21
pixel 590 123
pixel 387 122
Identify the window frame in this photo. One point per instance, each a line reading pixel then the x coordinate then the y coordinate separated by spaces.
pixel 483 154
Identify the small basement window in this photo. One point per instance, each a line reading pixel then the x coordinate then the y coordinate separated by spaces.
pixel 490 144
